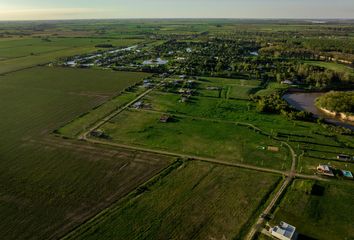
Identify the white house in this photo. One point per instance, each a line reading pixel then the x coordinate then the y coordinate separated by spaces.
pixel 284 231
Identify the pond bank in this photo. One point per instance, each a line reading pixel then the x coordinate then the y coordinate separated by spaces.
pixel 305 101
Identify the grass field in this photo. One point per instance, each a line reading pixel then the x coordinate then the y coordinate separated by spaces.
pixel 319 210
pixel 230 88
pixel 48 185
pixel 312 142
pixel 21 47
pixel 16 54
pixel 192 201
pixel 333 66
pixel 191 136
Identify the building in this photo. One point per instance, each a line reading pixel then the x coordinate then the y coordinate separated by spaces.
pixel 344 157
pixel 347 174
pixel 288 82
pixel 325 170
pixel 165 118
pixel 138 105
pixel 284 231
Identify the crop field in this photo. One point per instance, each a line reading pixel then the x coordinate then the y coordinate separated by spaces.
pixel 48 185
pixel 319 210
pixel 187 202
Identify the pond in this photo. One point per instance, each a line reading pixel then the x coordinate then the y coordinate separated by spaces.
pixel 157 61
pixel 306 102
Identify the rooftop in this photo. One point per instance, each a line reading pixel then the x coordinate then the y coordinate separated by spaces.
pixel 284 229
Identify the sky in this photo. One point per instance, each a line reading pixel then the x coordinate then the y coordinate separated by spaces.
pixel 94 9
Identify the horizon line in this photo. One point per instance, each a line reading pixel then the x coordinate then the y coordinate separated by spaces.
pixel 180 18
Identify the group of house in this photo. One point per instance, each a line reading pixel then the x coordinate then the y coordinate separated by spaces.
pixel 330 171
pixel 187 90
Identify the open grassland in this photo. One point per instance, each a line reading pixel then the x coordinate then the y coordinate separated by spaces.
pixel 21 47
pixel 270 88
pixel 333 66
pixel 315 144
pixel 228 88
pixel 319 210
pixel 198 137
pixel 189 201
pixel 48 185
pixel 17 53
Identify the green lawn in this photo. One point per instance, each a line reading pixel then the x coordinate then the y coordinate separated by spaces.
pixel 192 201
pixel 319 210
pixel 332 66
pixel 224 141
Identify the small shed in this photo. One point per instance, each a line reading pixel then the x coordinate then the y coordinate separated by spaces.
pixel 347 174
pixel 287 82
pixel 138 105
pixel 165 118
pixel 343 157
pixel 273 149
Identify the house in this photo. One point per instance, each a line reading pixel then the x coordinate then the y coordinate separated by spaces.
pixel 165 118
pixel 186 91
pixel 138 105
pixel 288 82
pixel 284 231
pixel 325 170
pixel 99 134
pixel 347 174
pixel 344 157
pixel 183 99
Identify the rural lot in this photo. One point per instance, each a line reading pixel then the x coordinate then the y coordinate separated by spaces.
pixel 175 129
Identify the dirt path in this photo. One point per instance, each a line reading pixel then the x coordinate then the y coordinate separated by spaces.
pixel 290 176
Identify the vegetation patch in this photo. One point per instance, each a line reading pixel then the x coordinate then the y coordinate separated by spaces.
pixel 196 200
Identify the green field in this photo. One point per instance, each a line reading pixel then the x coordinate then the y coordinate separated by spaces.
pixel 333 66
pixel 48 185
pixel 17 54
pixel 196 137
pixel 193 201
pixel 319 210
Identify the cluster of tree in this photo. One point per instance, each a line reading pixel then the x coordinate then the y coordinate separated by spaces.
pixel 275 104
pixel 340 102
pixel 319 76
pixel 104 45
pixel 330 44
pixel 285 51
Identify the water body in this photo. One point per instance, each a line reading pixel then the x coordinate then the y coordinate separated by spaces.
pixel 306 102
pixel 158 61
